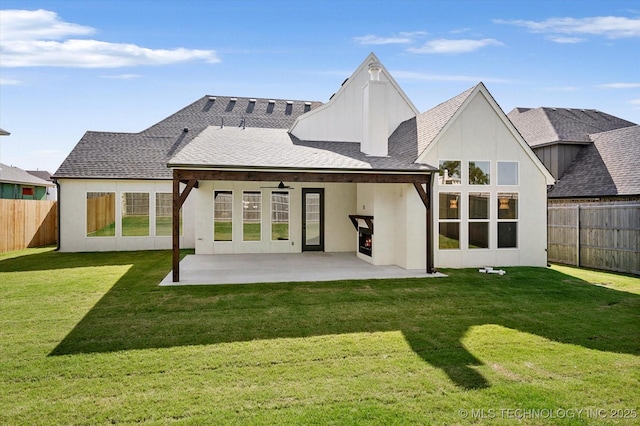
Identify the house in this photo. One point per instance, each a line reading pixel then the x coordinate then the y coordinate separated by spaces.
pixel 455 186
pixel 18 184
pixel 52 191
pixel 592 155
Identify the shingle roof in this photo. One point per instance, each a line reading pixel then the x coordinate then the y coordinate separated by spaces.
pixel 541 126
pixel 145 155
pixel 609 166
pixel 234 147
pixel 42 174
pixel 258 147
pixel 16 175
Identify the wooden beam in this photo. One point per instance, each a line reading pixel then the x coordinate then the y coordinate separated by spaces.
pixel 422 193
pixel 191 183
pixel 297 176
pixel 430 236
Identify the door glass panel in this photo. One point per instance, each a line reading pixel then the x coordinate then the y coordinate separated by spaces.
pixel 312 219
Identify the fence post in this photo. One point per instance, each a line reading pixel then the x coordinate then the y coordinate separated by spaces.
pixel 578 235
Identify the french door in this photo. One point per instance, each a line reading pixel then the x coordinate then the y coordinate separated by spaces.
pixel 312 219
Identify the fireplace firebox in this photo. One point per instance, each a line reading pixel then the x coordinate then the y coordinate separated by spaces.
pixel 365 241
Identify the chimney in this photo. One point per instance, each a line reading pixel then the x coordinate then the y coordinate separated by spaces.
pixel 375 117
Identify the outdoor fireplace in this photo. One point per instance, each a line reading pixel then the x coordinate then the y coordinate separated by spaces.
pixel 365 241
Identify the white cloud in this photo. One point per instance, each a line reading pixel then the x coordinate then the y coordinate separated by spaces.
pixel 40 38
pixel 9 82
pixel 619 85
pixel 37 25
pixel 454 46
pixel 566 40
pixel 122 76
pixel 410 75
pixel 401 38
pixel 607 26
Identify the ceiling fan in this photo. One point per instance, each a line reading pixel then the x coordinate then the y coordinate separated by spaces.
pixel 281 185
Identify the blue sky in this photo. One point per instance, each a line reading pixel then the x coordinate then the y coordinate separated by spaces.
pixel 69 66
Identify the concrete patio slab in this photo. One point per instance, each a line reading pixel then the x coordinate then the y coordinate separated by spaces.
pixel 200 269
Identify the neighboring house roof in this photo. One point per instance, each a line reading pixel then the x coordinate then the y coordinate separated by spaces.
pixel 145 155
pixel 15 175
pixel 42 174
pixel 544 126
pixel 607 167
pixel 270 148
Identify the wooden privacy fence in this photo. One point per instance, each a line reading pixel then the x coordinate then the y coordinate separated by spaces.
pixel 599 236
pixel 27 223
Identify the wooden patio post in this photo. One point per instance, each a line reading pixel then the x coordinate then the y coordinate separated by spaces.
pixel 176 227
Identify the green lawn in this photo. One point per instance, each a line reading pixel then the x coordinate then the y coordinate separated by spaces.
pixel 90 338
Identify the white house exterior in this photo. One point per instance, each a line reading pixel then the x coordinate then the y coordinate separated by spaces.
pixel 363 173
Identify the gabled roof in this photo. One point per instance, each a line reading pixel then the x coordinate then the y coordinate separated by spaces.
pixel 15 175
pixel 607 167
pixel 416 134
pixel 543 126
pixel 424 130
pixel 145 155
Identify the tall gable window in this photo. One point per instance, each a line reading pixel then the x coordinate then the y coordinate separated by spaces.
pixel 449 172
pixel 507 173
pixel 507 220
pixel 222 216
pixel 449 220
pixel 479 207
pixel 479 172
pixel 101 214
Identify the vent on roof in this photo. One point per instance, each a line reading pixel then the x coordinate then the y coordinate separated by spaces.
pixel 272 101
pixel 233 99
pixel 212 98
pixel 251 105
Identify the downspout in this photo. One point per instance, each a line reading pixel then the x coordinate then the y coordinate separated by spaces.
pixel 58 213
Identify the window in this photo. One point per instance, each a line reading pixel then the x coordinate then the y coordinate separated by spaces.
pixel 479 219
pixel 222 216
pixel 164 214
pixel 101 214
pixel 449 215
pixel 507 173
pixel 251 215
pixel 507 220
pixel 135 214
pixel 279 215
pixel 479 172
pixel 449 172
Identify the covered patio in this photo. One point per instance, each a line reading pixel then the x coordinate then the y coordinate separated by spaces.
pixel 201 269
